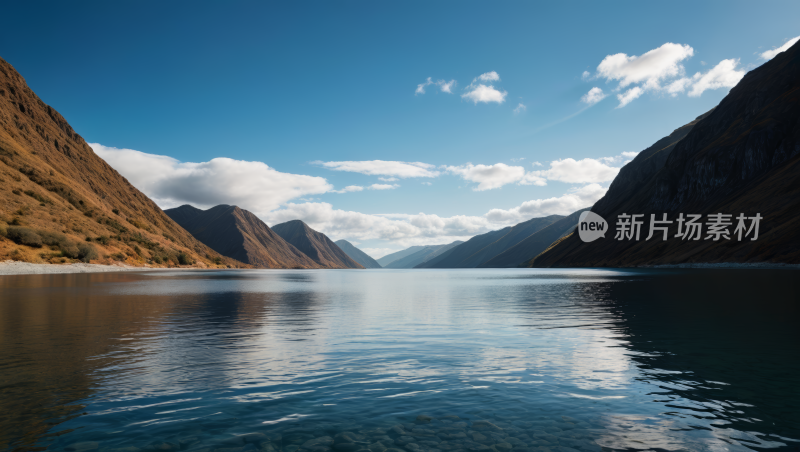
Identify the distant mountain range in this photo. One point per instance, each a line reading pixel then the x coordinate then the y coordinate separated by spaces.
pixel 239 234
pixel 743 157
pixel 421 254
pixel 481 248
pixel 389 258
pixel 315 245
pixel 60 202
pixel 357 255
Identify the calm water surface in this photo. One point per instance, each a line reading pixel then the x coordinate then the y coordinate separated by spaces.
pixel 401 360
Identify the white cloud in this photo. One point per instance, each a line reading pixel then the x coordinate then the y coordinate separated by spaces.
pixel 626 97
pixel 520 108
pixel 349 189
pixel 594 96
pixel 444 86
pixel 723 75
pixel 427 183
pixel 630 155
pixel 383 168
pixel 383 186
pixel 387 179
pixel 533 179
pixel 488 176
pixel 536 164
pixel 484 93
pixel 570 202
pixel 586 76
pixel 678 86
pixel 169 182
pixel 770 54
pixel 424 229
pixel 649 68
pixel 488 77
pixel 579 171
pixel 661 70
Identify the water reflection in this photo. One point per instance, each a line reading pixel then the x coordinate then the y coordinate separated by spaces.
pixel 579 359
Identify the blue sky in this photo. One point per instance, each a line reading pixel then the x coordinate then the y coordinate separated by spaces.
pixel 299 85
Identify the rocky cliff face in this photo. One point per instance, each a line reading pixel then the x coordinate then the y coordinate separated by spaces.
pixel 58 199
pixel 742 157
pixel 239 234
pixel 315 245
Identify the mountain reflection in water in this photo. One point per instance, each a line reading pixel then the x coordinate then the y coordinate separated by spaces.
pixel 554 359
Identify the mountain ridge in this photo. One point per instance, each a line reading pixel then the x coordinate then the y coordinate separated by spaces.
pixel 316 245
pixel 744 157
pixel 357 255
pixel 239 234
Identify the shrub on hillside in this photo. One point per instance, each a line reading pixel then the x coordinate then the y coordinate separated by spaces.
pixel 52 238
pixel 184 259
pixel 87 252
pixel 24 236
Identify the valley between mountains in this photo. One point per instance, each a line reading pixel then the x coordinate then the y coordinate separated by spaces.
pixel 61 203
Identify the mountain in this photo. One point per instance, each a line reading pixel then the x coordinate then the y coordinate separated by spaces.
pixel 389 258
pixel 60 202
pixel 516 255
pixel 239 234
pixel 481 248
pixel 422 255
pixel 315 245
pixel 742 158
pixel 357 255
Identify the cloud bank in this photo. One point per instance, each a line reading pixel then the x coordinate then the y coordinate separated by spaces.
pixel 423 229
pixel 171 183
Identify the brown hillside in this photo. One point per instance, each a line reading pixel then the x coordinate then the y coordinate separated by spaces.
pixel 59 201
pixel 239 234
pixel 315 245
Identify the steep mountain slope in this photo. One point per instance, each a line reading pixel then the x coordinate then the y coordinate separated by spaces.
pixel 357 255
pixel 423 255
pixel 61 202
pixel 315 245
pixel 481 248
pixel 239 234
pixel 389 258
pixel 534 244
pixel 744 157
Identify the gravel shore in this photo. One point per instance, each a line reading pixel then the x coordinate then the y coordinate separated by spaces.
pixel 24 268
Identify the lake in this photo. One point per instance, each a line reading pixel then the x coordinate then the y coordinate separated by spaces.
pixel 515 360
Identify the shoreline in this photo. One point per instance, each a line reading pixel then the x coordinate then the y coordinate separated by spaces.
pixel 11 268
pixel 754 265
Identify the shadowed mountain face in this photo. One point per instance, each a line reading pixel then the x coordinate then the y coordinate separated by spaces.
pixel 534 244
pixel 743 157
pixel 422 255
pixel 53 184
pixel 484 247
pixel 239 234
pixel 315 245
pixel 357 255
pixel 389 258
